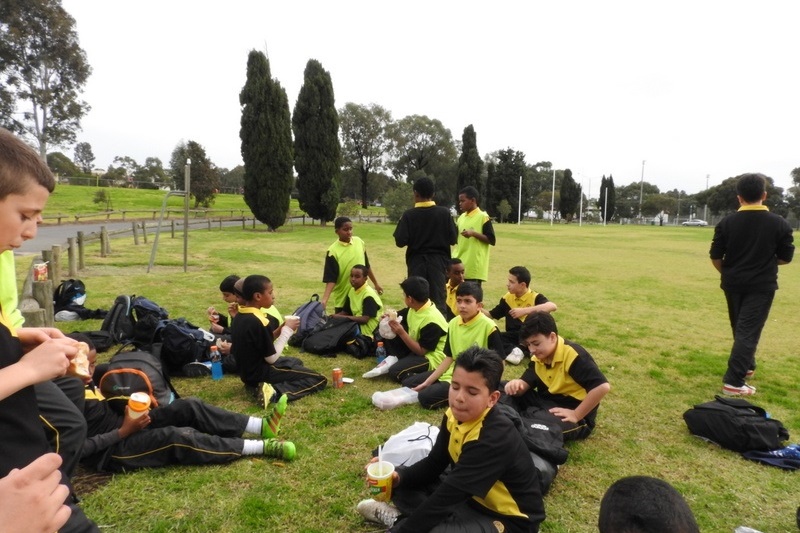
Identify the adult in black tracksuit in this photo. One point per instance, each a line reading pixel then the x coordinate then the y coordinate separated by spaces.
pixel 746 249
pixel 428 231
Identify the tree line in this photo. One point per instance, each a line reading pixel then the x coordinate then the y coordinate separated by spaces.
pixel 319 153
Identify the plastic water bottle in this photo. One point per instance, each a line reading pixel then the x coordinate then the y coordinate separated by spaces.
pixel 216 363
pixel 380 353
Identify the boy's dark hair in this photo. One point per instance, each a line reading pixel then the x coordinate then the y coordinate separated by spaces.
pixel 470 192
pixel 340 221
pixel 81 337
pixel 522 274
pixel 253 284
pixel 21 166
pixel 641 504
pixel 487 362
pixel 538 322
pixel 364 270
pixel 424 188
pixel 452 262
pixel 470 288
pixel 227 284
pixel 417 287
pixel 751 187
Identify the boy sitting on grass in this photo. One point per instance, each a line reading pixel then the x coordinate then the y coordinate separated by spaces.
pixel 362 304
pixel 492 484
pixel 186 431
pixel 562 378
pixel 470 328
pixel 420 335
pixel 455 277
pixel 265 374
pixel 515 306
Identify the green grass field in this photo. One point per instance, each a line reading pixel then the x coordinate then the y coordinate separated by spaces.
pixel 643 300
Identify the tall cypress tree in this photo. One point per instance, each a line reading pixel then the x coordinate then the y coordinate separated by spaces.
pixel 569 196
pixel 266 143
pixel 607 205
pixel 504 184
pixel 317 152
pixel 470 164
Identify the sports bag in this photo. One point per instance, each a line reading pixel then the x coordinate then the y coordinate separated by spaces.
pixel 735 424
pixel 67 292
pixel 330 336
pixel 311 314
pixel 182 343
pixel 119 321
pixel 136 371
pixel 147 316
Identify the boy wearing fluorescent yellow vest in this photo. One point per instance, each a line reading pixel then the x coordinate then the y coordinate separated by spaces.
pixel 362 304
pixel 420 335
pixel 475 235
pixel 562 378
pixel 347 252
pixel 470 328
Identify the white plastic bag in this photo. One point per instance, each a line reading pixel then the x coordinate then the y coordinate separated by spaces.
pixel 390 399
pixel 385 330
pixel 382 368
pixel 410 445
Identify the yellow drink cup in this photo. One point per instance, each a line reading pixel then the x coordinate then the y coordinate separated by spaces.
pixel 379 479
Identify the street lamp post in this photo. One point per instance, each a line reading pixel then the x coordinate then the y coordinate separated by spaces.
pixel 641 190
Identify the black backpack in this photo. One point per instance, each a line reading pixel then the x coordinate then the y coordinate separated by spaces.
pixel 182 343
pixel 311 314
pixel 136 371
pixel 66 292
pixel 735 424
pixel 119 321
pixel 147 316
pixel 330 336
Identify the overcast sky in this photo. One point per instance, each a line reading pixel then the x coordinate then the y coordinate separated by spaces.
pixel 694 88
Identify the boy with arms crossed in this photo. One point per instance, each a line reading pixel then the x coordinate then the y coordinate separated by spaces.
pixel 492 484
pixel 470 328
pixel 515 306
pixel 475 235
pixel 562 378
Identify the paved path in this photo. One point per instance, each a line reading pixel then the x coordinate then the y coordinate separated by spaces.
pixel 55 235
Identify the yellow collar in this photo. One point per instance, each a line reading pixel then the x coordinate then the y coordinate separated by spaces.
pixel 429 203
pixel 754 207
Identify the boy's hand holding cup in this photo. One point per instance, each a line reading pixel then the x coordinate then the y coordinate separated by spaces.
pixel 381 476
pixel 292 322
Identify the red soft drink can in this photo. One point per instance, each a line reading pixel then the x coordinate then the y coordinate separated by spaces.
pixel 337 378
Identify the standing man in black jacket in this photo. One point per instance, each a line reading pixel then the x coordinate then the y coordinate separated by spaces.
pixel 747 248
pixel 428 231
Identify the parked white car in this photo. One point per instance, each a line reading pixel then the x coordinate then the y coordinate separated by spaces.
pixel 695 222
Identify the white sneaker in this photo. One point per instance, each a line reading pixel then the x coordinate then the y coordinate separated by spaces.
pixel 515 357
pixel 379 512
pixel 382 368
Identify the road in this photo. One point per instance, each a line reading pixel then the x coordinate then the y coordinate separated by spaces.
pixel 54 235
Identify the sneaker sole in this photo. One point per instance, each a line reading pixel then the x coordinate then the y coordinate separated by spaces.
pixel 735 391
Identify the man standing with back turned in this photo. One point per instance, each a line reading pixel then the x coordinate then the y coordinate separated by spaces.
pixel 428 231
pixel 746 249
